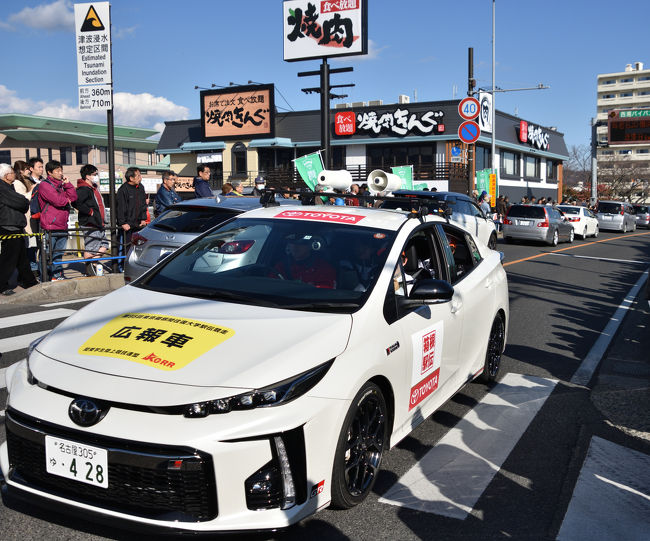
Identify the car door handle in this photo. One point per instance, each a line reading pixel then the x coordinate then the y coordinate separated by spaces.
pixel 456 305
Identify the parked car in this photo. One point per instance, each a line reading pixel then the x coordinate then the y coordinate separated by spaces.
pixel 616 216
pixel 465 212
pixel 536 222
pixel 642 215
pixel 584 222
pixel 180 224
pixel 248 393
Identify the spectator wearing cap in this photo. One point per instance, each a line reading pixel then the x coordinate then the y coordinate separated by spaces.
pixel 260 184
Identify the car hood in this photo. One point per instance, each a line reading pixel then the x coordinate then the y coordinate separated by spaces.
pixel 221 344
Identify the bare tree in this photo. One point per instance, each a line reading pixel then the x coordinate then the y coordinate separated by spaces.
pixel 577 169
pixel 628 179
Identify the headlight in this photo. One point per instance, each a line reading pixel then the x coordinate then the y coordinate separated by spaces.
pixel 273 395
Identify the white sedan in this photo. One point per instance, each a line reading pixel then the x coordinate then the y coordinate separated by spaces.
pixel 259 373
pixel 584 222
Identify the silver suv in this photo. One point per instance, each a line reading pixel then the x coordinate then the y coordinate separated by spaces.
pixel 616 215
pixel 642 215
pixel 536 222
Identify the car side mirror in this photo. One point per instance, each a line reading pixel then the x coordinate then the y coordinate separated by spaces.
pixel 428 291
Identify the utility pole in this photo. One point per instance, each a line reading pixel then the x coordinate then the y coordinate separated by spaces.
pixel 325 97
pixel 471 82
pixel 594 161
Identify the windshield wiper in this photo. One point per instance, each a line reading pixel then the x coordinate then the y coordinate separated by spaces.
pixel 220 294
pixel 322 305
pixel 166 227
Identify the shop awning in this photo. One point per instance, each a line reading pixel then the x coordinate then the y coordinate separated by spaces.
pixel 198 145
pixel 283 142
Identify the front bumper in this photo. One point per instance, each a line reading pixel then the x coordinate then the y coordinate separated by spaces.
pixel 219 454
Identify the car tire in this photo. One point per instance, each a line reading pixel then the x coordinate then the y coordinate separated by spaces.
pixel 554 238
pixel 584 233
pixel 624 228
pixel 360 448
pixel 572 236
pixel 596 231
pixel 492 242
pixel 494 351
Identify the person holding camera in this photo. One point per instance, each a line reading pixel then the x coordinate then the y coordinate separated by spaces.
pixel 55 196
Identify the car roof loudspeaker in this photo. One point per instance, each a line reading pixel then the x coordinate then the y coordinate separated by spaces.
pixel 335 180
pixel 380 181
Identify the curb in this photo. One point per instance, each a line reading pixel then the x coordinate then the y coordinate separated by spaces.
pixel 66 289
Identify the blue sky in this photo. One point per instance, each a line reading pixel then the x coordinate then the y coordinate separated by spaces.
pixel 163 48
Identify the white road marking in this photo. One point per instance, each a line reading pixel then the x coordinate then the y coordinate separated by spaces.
pixel 34 317
pixel 451 477
pixel 611 499
pixel 587 367
pixel 20 342
pixel 599 258
pixel 70 302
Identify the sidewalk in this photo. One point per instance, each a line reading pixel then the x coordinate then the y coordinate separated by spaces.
pixel 622 388
pixel 77 287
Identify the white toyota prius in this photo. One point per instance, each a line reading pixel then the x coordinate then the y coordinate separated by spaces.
pixel 259 373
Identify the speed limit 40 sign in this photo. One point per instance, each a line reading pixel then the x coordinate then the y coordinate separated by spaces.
pixel 468 108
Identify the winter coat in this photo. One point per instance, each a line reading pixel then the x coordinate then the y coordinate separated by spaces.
pixel 165 198
pixel 12 208
pixel 90 205
pixel 131 205
pixel 201 188
pixel 55 198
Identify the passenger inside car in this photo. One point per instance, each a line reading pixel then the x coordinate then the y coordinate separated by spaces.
pixel 304 262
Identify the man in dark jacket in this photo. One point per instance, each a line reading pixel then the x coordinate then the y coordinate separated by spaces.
pixel 13 252
pixel 200 184
pixel 91 216
pixel 166 195
pixel 131 206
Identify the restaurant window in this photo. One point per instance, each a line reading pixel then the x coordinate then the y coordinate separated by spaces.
pixel 239 163
pixel 5 156
pixel 82 155
pixel 128 156
pixel 510 163
pixel 26 154
pixel 38 152
pixel 103 154
pixel 551 170
pixel 531 167
pixel 66 155
pixel 385 156
pixel 49 154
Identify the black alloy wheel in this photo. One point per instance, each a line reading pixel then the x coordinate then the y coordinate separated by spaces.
pixel 361 444
pixel 492 243
pixel 494 351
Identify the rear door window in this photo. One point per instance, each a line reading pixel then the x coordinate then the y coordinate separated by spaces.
pixel 609 208
pixel 525 211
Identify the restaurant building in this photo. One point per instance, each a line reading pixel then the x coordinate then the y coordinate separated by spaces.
pixel 364 136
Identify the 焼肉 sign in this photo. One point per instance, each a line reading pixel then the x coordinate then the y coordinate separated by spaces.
pixel 324 28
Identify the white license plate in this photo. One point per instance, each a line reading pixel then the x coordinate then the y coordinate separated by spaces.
pixel 607 218
pixel 524 222
pixel 77 461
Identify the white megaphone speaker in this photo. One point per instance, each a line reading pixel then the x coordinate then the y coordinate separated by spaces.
pixel 336 180
pixel 380 181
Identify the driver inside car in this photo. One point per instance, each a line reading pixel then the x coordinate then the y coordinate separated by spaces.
pixel 304 263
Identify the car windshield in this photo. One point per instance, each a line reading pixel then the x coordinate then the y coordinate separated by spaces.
pixel 282 263
pixel 570 210
pixel 525 211
pixel 190 219
pixel 609 208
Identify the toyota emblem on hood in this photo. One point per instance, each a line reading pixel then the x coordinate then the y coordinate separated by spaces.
pixel 86 412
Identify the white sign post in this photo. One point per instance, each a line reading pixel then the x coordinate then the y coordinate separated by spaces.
pixel 93 43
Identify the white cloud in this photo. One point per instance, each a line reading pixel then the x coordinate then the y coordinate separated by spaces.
pixel 142 110
pixel 373 54
pixel 124 32
pixel 58 15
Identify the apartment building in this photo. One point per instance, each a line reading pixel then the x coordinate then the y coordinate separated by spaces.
pixel 628 91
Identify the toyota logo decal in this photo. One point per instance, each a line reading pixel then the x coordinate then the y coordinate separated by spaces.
pixel 85 412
